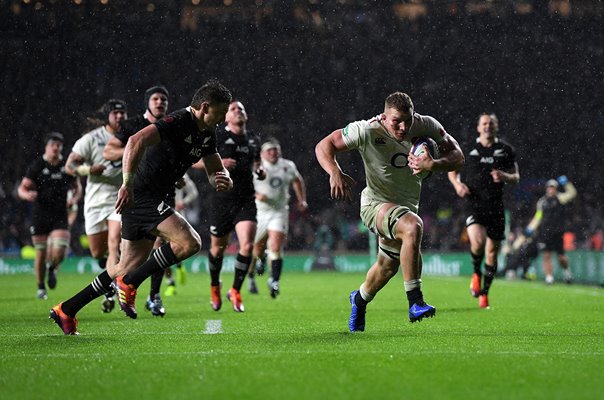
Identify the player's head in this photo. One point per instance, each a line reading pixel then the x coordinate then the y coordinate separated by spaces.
pixel 213 100
pixel 398 114
pixel 156 101
pixel 488 125
pixel 551 187
pixel 271 150
pixel 114 111
pixel 236 114
pixel 53 144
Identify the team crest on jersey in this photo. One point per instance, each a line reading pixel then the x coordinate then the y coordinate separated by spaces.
pixel 379 141
pixel 498 153
pixel 188 139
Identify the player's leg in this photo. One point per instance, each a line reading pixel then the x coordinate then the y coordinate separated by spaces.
pixel 377 277
pixel 40 243
pixel 477 234
pixel 218 245
pixel 563 259
pixel 490 269
pixel 276 242
pixel 154 302
pixel 246 232
pixel 257 252
pixel 59 242
pixel 548 268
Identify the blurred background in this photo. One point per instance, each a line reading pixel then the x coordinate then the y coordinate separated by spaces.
pixel 306 68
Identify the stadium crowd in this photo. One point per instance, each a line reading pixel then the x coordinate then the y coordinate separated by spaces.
pixel 304 69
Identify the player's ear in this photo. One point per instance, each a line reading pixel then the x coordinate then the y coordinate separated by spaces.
pixel 204 107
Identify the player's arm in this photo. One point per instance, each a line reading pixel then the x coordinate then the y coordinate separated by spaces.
pixel 451 156
pixel 218 175
pixel 535 221
pixel 190 190
pixel 133 152
pixel 259 170
pixel 300 191
pixel 76 166
pixel 325 151
pixel 27 190
pixel 114 149
pixel 570 192
pixel 511 176
pixel 76 192
pixel 460 188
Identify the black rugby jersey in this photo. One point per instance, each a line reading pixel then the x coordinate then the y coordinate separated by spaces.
pixel 553 218
pixel 52 184
pixel 131 126
pixel 480 161
pixel 245 149
pixel 182 145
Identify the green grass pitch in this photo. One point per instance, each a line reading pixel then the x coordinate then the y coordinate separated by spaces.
pixel 535 342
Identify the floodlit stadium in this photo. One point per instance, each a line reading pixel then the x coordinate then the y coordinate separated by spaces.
pixel 305 69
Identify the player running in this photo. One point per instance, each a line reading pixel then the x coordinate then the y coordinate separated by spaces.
pixel 390 201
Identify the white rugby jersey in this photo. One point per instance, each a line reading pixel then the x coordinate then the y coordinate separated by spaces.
pixel 389 179
pixel 275 186
pixel 101 190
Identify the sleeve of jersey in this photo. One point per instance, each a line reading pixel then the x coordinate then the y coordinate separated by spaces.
pixel 294 170
pixel 124 133
pixel 355 134
pixel 82 146
pixel 169 128
pixel 435 129
pixel 32 171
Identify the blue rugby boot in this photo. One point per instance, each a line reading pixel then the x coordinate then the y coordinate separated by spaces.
pixel 356 323
pixel 419 311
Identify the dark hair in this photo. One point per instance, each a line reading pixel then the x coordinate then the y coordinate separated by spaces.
pixel 212 92
pixel 399 101
pixel 491 115
pixel 155 89
pixel 54 136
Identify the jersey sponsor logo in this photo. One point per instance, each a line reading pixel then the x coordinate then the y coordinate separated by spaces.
pixel 56 175
pixel 46 171
pixel 188 139
pixel 474 153
pixel 498 153
pixel 229 141
pixel 487 160
pixel 195 152
pixel 399 160
pixel 379 141
pixel 242 149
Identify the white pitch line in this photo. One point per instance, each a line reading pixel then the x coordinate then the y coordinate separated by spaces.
pixel 213 327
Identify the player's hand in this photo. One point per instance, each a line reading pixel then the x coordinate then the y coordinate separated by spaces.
pixel 341 186
pixel 497 175
pixel 97 169
pixel 262 197
pixel 562 180
pixel 31 195
pixel 222 182
pixel 462 189
pixel 528 232
pixel 124 196
pixel 423 162
pixel 260 174
pixel 229 163
pixel 302 206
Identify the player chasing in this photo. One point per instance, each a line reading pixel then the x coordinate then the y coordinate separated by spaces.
pixel 491 163
pixel 46 185
pixel 155 158
pixel 390 201
pixel 102 223
pixel 272 202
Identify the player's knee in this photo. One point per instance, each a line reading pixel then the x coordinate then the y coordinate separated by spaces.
pixel 190 247
pixel 411 227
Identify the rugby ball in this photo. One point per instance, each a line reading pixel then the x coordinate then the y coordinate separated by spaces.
pixel 419 147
